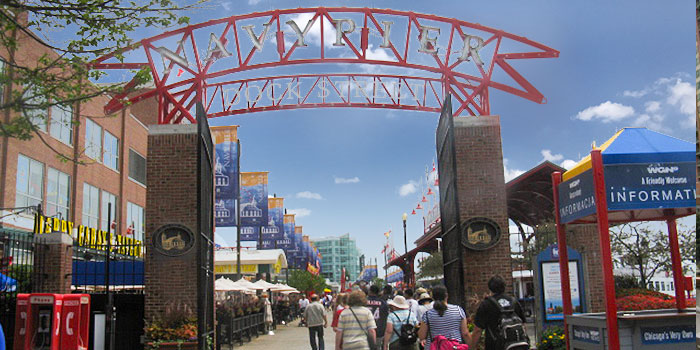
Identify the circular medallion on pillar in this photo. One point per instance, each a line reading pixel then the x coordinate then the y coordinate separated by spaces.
pixel 480 233
pixel 173 240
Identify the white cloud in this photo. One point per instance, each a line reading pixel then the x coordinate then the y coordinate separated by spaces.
pixel 557 158
pixel 606 112
pixel 226 5
pixel 547 155
pixel 408 188
pixel 652 106
pixel 253 2
pixel 379 54
pixel 635 93
pixel 342 180
pixel 568 164
pixel 682 94
pixel 314 34
pixel 300 212
pixel 651 121
pixel 309 195
pixel 510 174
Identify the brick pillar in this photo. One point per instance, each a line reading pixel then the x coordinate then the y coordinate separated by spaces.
pixel 482 193
pixel 171 198
pixel 584 238
pixel 53 263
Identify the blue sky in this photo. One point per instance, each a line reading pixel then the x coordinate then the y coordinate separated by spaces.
pixel 622 63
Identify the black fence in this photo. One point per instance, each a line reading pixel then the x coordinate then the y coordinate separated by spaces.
pixel 205 234
pixel 20 272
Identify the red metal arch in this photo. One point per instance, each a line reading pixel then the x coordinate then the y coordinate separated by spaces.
pixel 189 74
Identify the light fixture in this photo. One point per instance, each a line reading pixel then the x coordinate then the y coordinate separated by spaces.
pixel 404 216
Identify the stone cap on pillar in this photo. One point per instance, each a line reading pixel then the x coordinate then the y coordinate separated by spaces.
pixel 55 238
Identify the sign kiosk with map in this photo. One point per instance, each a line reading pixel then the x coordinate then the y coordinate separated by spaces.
pixel 637 175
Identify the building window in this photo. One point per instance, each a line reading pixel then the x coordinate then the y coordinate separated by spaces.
pixel 135 220
pixel 57 193
pixel 91 206
pixel 37 116
pixel 108 198
pixel 110 156
pixel 30 182
pixel 62 123
pixel 137 167
pixel 93 140
pixel 671 286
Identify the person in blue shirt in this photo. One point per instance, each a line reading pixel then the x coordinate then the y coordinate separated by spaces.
pixel 400 314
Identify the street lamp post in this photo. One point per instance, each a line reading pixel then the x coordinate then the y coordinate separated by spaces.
pixel 405 245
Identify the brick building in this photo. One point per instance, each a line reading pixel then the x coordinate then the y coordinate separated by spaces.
pixel 111 150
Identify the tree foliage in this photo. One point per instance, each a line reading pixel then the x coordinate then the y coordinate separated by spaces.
pixel 305 281
pixel 431 266
pixel 61 76
pixel 646 250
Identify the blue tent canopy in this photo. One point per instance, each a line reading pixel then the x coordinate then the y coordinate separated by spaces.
pixel 648 176
pixel 7 284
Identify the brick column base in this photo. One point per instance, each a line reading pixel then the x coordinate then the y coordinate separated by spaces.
pixel 482 193
pixel 53 263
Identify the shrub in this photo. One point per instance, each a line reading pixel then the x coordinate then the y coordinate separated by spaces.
pixel 552 338
pixel 625 292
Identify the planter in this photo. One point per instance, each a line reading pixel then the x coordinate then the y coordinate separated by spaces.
pixel 173 346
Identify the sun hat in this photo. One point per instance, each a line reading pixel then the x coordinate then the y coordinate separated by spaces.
pixel 421 290
pixel 424 296
pixel 399 302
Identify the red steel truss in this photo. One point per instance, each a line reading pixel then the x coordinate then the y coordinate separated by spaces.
pixel 211 62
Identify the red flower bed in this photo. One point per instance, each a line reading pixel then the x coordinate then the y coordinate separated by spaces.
pixel 648 302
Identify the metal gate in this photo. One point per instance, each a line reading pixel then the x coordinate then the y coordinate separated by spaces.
pixel 20 272
pixel 449 205
pixel 205 243
pixel 115 283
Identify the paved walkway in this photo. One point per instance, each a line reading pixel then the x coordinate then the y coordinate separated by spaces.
pixel 289 337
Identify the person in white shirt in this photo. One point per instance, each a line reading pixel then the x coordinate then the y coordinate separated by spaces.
pixel 412 303
pixel 425 303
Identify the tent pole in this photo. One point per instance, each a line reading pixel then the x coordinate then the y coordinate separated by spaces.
pixel 605 251
pixel 676 264
pixel 563 256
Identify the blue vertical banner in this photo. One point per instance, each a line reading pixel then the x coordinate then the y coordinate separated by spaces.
pixel 274 229
pixel 253 200
pixel 225 174
pixel 287 241
pixel 250 233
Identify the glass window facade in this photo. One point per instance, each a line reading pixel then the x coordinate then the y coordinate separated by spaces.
pixel 61 127
pixel 339 252
pixel 135 220
pixel 93 140
pixel 57 194
pixel 91 205
pixel 108 198
pixel 110 156
pixel 137 167
pixel 30 182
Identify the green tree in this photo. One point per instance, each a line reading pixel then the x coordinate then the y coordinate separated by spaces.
pixel 305 281
pixel 431 266
pixel 379 282
pixel 61 77
pixel 646 250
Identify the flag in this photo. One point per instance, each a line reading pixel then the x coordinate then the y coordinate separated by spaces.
pixel 433 165
pixel 387 233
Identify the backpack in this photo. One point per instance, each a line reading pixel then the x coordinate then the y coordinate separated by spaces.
pixel 509 333
pixel 442 343
pixel 407 335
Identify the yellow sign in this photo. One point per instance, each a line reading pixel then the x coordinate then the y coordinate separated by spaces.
pixel 88 237
pixel 252 178
pixel 222 134
pixel 231 268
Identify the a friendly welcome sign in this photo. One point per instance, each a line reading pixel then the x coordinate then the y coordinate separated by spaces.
pixel 630 187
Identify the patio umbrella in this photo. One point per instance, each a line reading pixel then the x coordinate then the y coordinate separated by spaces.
pixel 7 284
pixel 265 284
pixel 247 284
pixel 224 284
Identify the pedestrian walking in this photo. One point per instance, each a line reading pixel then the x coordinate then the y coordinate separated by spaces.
pixel 268 314
pixel 401 326
pixel 444 322
pixel 496 313
pixel 315 316
pixel 380 311
pixel 341 302
pixel 413 303
pixel 356 327
pixel 303 303
pixel 425 303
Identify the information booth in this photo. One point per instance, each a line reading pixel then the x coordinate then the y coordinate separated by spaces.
pixel 637 175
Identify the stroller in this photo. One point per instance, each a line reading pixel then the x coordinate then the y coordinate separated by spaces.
pixel 302 321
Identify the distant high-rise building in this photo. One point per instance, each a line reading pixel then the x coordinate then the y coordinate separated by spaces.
pixel 338 252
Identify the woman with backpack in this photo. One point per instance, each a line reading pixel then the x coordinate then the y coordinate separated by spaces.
pixel 445 325
pixel 401 326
